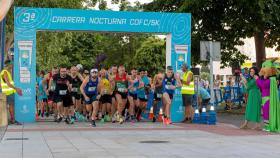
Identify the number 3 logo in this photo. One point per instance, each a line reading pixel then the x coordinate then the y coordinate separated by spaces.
pixel 26 17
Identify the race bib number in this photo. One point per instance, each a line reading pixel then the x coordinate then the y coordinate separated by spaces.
pixel 133 89
pixel 52 88
pixel 75 89
pixel 159 95
pixel 91 89
pixel 121 89
pixel 62 92
pixel 167 86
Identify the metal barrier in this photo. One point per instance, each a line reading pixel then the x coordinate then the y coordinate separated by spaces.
pixel 237 94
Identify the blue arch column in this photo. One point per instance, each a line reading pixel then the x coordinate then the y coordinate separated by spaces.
pixel 28 21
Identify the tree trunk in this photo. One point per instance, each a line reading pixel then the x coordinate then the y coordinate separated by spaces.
pixel 260 48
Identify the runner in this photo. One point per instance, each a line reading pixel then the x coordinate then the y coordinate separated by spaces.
pixel 132 94
pixel 62 95
pixel 48 81
pixel 105 90
pixel 158 90
pixel 89 91
pixel 42 95
pixel 112 76
pixel 142 93
pixel 121 84
pixel 169 84
pixel 77 80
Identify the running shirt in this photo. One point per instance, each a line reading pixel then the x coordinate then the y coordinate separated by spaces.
pixel 105 84
pixel 91 87
pixel 167 82
pixel 141 91
pixel 41 89
pixel 158 91
pixel 133 90
pixel 61 87
pixel 121 83
pixel 203 93
pixel 76 83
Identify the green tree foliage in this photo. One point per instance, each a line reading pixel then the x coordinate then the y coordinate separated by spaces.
pixel 150 56
pixel 228 22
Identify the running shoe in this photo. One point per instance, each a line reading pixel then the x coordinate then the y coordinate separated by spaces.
pixel 59 119
pixel 102 120
pixel 93 123
pixel 67 121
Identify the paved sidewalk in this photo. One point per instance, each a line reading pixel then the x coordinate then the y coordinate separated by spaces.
pixel 52 140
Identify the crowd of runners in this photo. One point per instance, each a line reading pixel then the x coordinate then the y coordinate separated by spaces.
pixel 109 95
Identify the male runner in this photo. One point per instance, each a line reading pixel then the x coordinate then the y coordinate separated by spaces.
pixel 106 91
pixel 132 93
pixel 89 91
pixel 62 95
pixel 169 84
pixel 121 84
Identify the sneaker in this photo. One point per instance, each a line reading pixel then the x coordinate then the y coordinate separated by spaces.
pixel 67 121
pixel 59 119
pixel 132 119
pixel 47 114
pixel 93 123
pixel 169 121
pixel 17 123
pixel 121 120
pixel 39 112
pixel 42 114
pixel 165 121
pixel 114 119
pixel 138 117
pixel 154 119
pixel 102 120
pixel 72 120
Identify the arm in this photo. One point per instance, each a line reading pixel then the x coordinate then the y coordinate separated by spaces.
pixel 80 77
pixel 83 85
pixel 178 81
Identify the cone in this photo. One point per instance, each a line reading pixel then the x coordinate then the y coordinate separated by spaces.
pixel 196 118
pixel 160 116
pixel 212 118
pixel 203 116
pixel 151 114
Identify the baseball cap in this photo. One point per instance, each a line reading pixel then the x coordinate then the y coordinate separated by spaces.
pixel 93 70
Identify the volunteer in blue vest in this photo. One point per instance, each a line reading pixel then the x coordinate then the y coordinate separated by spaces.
pixel 187 91
pixel 9 89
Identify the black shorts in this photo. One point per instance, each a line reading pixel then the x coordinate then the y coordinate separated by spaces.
pixel 157 96
pixel 106 99
pixel 170 96
pixel 143 99
pixel 51 96
pixel 66 99
pixel 76 95
pixel 124 95
pixel 134 96
pixel 187 99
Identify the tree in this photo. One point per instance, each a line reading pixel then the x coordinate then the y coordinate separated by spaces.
pixel 151 55
pixel 39 4
pixel 229 22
